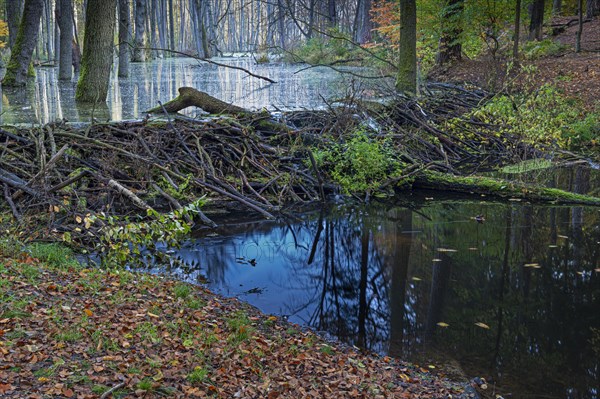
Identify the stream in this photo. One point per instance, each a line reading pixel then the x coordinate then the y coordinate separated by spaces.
pixel 508 290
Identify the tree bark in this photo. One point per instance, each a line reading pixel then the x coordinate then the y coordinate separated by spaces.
pixel 592 9
pixel 65 22
pixel 517 31
pixel 190 97
pixel 14 12
pixel 97 51
pixel 406 80
pixel 140 24
pixel 123 38
pixel 450 48
pixel 363 24
pixel 556 7
pixel 580 27
pixel 20 59
pixel 537 20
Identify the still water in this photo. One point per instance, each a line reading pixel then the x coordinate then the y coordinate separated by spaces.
pixel 510 291
pixel 47 99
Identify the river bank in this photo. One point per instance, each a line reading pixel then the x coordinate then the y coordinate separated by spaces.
pixel 69 331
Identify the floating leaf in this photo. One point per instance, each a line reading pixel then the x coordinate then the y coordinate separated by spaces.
pixel 565 237
pixel 446 250
pixel 442 324
pixel 416 279
pixel 534 265
pixel 436 260
pixel 482 325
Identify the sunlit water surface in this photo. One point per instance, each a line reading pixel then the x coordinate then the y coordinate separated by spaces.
pixel 297 87
pixel 510 291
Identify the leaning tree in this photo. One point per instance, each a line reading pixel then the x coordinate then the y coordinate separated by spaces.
pixel 18 66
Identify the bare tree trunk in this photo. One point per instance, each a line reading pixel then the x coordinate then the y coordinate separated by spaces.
pixel 18 66
pixel 331 13
pixel 97 58
pixel 14 11
pixel 56 33
pixel 406 80
pixel 537 20
pixel 593 8
pixel 281 21
pixel 363 25
pixel 557 7
pixel 171 25
pixel 123 38
pixel 517 31
pixel 47 30
pixel 450 48
pixel 140 24
pixel 65 21
pixel 580 29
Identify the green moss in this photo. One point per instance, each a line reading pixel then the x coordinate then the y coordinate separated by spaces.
pixel 502 188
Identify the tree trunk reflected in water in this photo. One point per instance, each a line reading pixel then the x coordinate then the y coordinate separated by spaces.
pixel 365 275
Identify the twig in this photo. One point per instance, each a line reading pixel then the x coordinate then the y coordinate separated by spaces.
pixel 10 202
pixel 111 390
pixel 211 62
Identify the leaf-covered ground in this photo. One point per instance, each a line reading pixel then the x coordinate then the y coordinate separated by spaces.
pixel 66 331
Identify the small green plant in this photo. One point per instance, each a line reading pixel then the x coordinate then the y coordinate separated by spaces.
pixel 55 255
pixel 361 164
pixel 182 290
pixel 328 350
pixel 145 385
pixel 148 331
pixel 198 375
pixel 71 335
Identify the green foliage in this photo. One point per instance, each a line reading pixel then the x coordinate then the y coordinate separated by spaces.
pixel 544 117
pixel 361 164
pixel 544 48
pixel 125 242
pixel 198 376
pixel 334 46
pixel 55 255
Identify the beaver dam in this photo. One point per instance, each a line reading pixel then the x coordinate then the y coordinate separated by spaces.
pixel 61 173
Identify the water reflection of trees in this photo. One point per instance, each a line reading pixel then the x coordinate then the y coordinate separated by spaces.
pixel 375 277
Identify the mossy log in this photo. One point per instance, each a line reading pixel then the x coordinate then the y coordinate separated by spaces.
pixel 190 97
pixel 498 187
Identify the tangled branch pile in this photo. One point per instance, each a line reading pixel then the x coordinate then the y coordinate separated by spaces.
pixel 59 174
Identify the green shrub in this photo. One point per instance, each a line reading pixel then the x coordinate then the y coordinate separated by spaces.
pixel 544 48
pixel 544 117
pixel 361 164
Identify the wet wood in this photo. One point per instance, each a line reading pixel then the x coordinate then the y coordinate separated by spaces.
pixel 190 97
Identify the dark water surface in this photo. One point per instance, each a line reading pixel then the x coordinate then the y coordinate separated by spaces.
pixel 509 290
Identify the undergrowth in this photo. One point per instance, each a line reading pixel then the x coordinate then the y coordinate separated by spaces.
pixel 540 118
pixel 361 164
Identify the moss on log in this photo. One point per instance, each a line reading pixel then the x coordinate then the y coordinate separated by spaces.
pixel 190 97
pixel 502 188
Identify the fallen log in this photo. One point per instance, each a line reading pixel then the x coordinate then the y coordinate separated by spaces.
pixel 433 180
pixel 190 97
